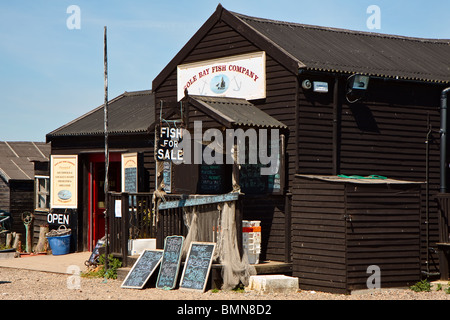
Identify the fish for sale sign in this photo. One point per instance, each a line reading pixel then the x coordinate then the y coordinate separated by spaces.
pixel 168 140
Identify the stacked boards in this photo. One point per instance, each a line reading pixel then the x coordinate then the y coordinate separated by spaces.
pixel 195 272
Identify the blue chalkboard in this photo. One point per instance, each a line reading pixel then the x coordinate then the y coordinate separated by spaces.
pixel 130 180
pixel 170 264
pixel 197 266
pixel 143 268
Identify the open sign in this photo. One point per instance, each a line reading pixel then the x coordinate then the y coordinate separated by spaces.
pixel 58 218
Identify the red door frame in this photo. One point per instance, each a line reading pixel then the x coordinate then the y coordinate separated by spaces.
pixel 96 227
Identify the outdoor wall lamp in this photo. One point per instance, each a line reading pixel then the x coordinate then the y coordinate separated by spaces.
pixel 356 87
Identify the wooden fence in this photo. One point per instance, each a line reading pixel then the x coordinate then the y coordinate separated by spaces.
pixel 133 216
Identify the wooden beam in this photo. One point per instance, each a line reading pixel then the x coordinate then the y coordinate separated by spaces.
pixel 198 200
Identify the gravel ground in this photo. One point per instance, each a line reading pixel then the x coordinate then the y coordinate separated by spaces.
pixel 19 284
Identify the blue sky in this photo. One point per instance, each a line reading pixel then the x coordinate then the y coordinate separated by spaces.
pixel 50 74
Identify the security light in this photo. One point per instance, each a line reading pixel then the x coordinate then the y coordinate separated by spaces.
pixel 356 87
pixel 359 82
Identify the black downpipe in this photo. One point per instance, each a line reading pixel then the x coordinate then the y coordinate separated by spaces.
pixel 444 93
pixel 427 192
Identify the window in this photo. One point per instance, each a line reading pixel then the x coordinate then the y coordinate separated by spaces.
pixel 42 193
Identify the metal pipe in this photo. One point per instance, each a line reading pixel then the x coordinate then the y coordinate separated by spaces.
pixel 336 127
pixel 427 191
pixel 443 174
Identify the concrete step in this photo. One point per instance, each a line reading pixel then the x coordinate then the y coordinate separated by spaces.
pixel 273 283
pixel 122 273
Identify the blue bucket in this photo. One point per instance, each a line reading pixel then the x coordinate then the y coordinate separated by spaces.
pixel 59 245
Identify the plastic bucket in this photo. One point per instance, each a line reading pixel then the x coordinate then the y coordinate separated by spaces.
pixel 59 245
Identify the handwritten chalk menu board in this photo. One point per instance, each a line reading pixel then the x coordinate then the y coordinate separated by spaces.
pixel 211 177
pixel 170 264
pixel 197 266
pixel 167 176
pixel 144 267
pixel 252 182
pixel 129 172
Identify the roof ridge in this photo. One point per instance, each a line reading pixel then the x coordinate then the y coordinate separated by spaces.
pixel 137 93
pixel 111 101
pixel 342 30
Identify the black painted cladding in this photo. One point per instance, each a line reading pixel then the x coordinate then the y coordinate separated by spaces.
pixel 340 229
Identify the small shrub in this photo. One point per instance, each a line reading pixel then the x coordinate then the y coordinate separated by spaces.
pixel 100 272
pixel 240 288
pixel 421 286
pixel 447 291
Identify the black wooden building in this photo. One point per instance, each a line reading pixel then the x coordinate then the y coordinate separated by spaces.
pixel 17 178
pixel 350 103
pixel 129 117
pixel 347 105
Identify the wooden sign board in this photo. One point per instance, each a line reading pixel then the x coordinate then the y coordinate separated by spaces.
pixel 197 266
pixel 143 268
pixel 170 265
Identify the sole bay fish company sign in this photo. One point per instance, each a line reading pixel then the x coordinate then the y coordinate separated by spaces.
pixel 242 76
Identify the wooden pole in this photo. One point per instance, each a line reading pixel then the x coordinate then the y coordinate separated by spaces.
pixel 106 147
pixel 42 245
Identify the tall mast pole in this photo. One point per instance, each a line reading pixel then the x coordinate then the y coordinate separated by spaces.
pixel 106 147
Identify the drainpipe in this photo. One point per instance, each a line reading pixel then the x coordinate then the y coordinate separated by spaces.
pixel 444 93
pixel 336 127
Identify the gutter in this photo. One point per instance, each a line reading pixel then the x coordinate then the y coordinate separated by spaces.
pixel 443 131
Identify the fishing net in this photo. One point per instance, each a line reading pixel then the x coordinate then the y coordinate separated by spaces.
pixel 216 223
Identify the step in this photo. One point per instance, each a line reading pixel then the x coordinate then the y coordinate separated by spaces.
pixel 122 273
pixel 275 283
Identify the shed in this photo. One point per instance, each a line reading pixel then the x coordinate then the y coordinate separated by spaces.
pixel 344 225
pixel 17 177
pixel 129 117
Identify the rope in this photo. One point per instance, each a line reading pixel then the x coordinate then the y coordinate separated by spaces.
pixel 59 232
pixel 361 177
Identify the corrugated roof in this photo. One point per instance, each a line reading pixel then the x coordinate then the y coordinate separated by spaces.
pixel 16 158
pixel 304 47
pixel 358 180
pixel 347 51
pixel 234 111
pixel 131 112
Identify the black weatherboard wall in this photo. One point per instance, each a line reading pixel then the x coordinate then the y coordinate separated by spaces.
pixel 393 131
pixel 342 226
pixel 17 174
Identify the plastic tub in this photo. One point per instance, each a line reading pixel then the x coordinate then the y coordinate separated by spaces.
pixel 60 245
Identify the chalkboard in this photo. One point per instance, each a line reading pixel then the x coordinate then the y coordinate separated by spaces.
pixel 167 176
pixel 211 177
pixel 252 182
pixel 130 179
pixel 93 259
pixel 197 266
pixel 143 268
pixel 170 265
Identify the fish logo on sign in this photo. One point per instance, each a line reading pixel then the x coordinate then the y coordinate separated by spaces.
pixel 220 84
pixel 64 195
